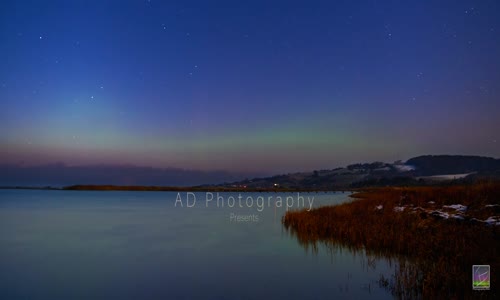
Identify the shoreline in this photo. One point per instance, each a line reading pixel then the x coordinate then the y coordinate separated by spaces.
pixel 177 189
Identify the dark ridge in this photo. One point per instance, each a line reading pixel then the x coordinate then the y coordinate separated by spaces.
pixel 428 165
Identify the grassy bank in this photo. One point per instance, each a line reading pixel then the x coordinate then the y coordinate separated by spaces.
pixel 435 233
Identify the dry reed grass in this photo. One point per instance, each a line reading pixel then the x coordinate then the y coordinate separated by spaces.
pixel 435 256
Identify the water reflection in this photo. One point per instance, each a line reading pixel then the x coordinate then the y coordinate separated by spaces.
pixel 138 245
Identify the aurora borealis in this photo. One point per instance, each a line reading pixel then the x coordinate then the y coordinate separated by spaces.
pixel 260 86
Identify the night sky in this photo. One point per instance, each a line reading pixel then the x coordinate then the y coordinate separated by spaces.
pixel 255 86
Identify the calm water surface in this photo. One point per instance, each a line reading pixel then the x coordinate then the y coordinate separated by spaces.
pixel 138 245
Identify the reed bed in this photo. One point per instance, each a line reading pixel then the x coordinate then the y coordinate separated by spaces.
pixel 435 255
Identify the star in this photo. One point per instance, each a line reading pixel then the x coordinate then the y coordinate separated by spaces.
pixel 91 97
pixel 40 37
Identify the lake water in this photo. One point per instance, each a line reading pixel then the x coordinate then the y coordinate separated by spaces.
pixel 139 245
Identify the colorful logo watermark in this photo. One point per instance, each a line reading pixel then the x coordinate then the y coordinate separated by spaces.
pixel 480 277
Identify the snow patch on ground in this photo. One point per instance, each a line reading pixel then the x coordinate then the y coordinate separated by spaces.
pixel 446 176
pixel 458 214
pixel 457 207
pixel 440 214
pixel 404 168
pixel 494 220
pixel 399 208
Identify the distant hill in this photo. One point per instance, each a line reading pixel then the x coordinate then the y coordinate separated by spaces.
pixel 421 170
pixel 428 165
